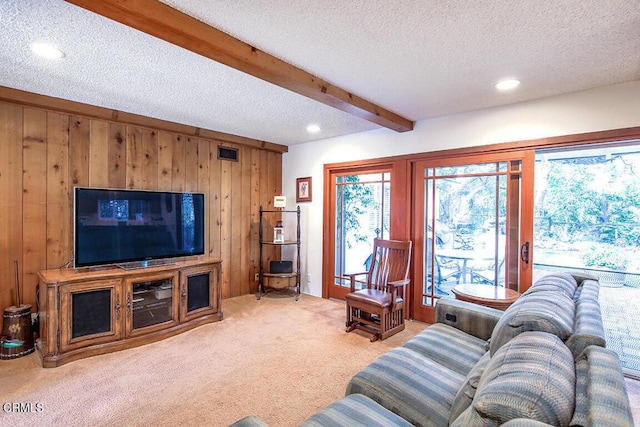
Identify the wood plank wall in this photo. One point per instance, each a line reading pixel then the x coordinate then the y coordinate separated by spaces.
pixel 44 153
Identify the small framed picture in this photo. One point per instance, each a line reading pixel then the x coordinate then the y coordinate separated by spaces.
pixel 303 189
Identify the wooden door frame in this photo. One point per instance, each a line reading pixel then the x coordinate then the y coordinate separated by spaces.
pixel 399 208
pixel 417 214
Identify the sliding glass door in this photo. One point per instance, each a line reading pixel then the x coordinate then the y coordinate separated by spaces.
pixel 469 219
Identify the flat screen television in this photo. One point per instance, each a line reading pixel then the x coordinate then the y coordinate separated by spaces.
pixel 113 226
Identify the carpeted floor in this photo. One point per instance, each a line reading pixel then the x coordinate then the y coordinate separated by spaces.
pixel 276 358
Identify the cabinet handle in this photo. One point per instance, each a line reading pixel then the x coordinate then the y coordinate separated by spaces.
pixel 117 307
pixel 184 293
pixel 128 304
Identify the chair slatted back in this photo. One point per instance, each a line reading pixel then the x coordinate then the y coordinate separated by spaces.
pixel 391 260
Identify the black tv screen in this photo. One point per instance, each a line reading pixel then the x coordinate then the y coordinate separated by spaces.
pixel 119 226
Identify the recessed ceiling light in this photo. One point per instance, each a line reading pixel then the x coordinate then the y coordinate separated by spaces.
pixel 46 51
pixel 507 84
pixel 313 128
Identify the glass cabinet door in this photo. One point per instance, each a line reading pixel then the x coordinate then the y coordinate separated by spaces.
pixel 150 302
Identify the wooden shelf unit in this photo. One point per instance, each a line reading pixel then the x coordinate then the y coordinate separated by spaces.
pixel 90 311
pixel 276 281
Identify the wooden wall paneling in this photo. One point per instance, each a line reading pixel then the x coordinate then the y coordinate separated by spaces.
pixel 134 157
pixel 165 154
pixel 44 155
pixel 254 253
pixel 274 185
pixel 32 100
pixel 245 225
pixel 267 204
pixel 34 201
pixel 10 198
pixel 178 163
pixel 225 225
pixel 237 218
pixel 79 146
pixel 59 233
pixel 191 165
pixel 203 180
pixel 117 156
pixel 99 152
pixel 149 159
pixel 215 202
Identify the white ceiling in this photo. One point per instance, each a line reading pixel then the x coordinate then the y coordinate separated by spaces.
pixel 419 59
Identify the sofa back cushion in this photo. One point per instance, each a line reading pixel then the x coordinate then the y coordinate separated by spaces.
pixel 560 282
pixel 543 310
pixel 588 329
pixel 532 376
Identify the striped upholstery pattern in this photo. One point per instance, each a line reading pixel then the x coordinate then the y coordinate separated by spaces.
pixel 601 397
pixel 545 310
pixel 523 422
pixel 448 347
pixel 473 319
pixel 354 410
pixel 589 329
pixel 564 283
pixel 467 392
pixel 532 376
pixel 413 386
pixel 250 421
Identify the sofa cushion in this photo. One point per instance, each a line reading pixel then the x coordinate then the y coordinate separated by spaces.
pixel 559 282
pixel 449 347
pixel 409 384
pixel 532 376
pixel 466 393
pixel 354 410
pixel 544 310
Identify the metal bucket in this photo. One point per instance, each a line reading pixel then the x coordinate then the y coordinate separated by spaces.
pixel 17 338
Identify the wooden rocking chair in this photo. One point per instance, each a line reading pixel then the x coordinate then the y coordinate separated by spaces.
pixel 379 308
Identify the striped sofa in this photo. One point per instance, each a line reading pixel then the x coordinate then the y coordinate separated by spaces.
pixel 541 362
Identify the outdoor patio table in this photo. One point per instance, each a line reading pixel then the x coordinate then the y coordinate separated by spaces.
pixel 464 255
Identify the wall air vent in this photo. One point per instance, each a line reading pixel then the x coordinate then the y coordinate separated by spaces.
pixel 226 153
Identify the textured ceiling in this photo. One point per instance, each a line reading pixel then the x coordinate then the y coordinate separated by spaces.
pixel 419 59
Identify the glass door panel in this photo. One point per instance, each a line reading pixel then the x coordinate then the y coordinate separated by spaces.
pixel 468 229
pixel 362 213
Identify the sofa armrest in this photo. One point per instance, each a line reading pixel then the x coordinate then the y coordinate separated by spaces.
pixel 474 319
pixel 249 421
pixel 601 393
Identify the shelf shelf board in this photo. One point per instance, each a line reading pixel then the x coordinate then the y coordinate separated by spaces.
pixel 286 242
pixel 294 274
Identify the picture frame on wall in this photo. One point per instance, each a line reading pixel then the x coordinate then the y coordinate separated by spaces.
pixel 303 189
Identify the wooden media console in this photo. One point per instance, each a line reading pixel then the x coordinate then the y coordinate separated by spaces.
pixel 90 311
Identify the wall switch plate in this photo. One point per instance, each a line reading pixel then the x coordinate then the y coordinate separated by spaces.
pixel 256 277
pixel 308 278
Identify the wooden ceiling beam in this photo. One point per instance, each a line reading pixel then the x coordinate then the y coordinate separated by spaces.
pixel 161 21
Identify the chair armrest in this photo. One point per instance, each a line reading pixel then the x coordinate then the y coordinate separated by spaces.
pixel 398 284
pixel 474 319
pixel 352 278
pixel 395 285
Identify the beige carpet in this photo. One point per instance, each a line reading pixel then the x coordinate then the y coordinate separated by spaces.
pixel 276 358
